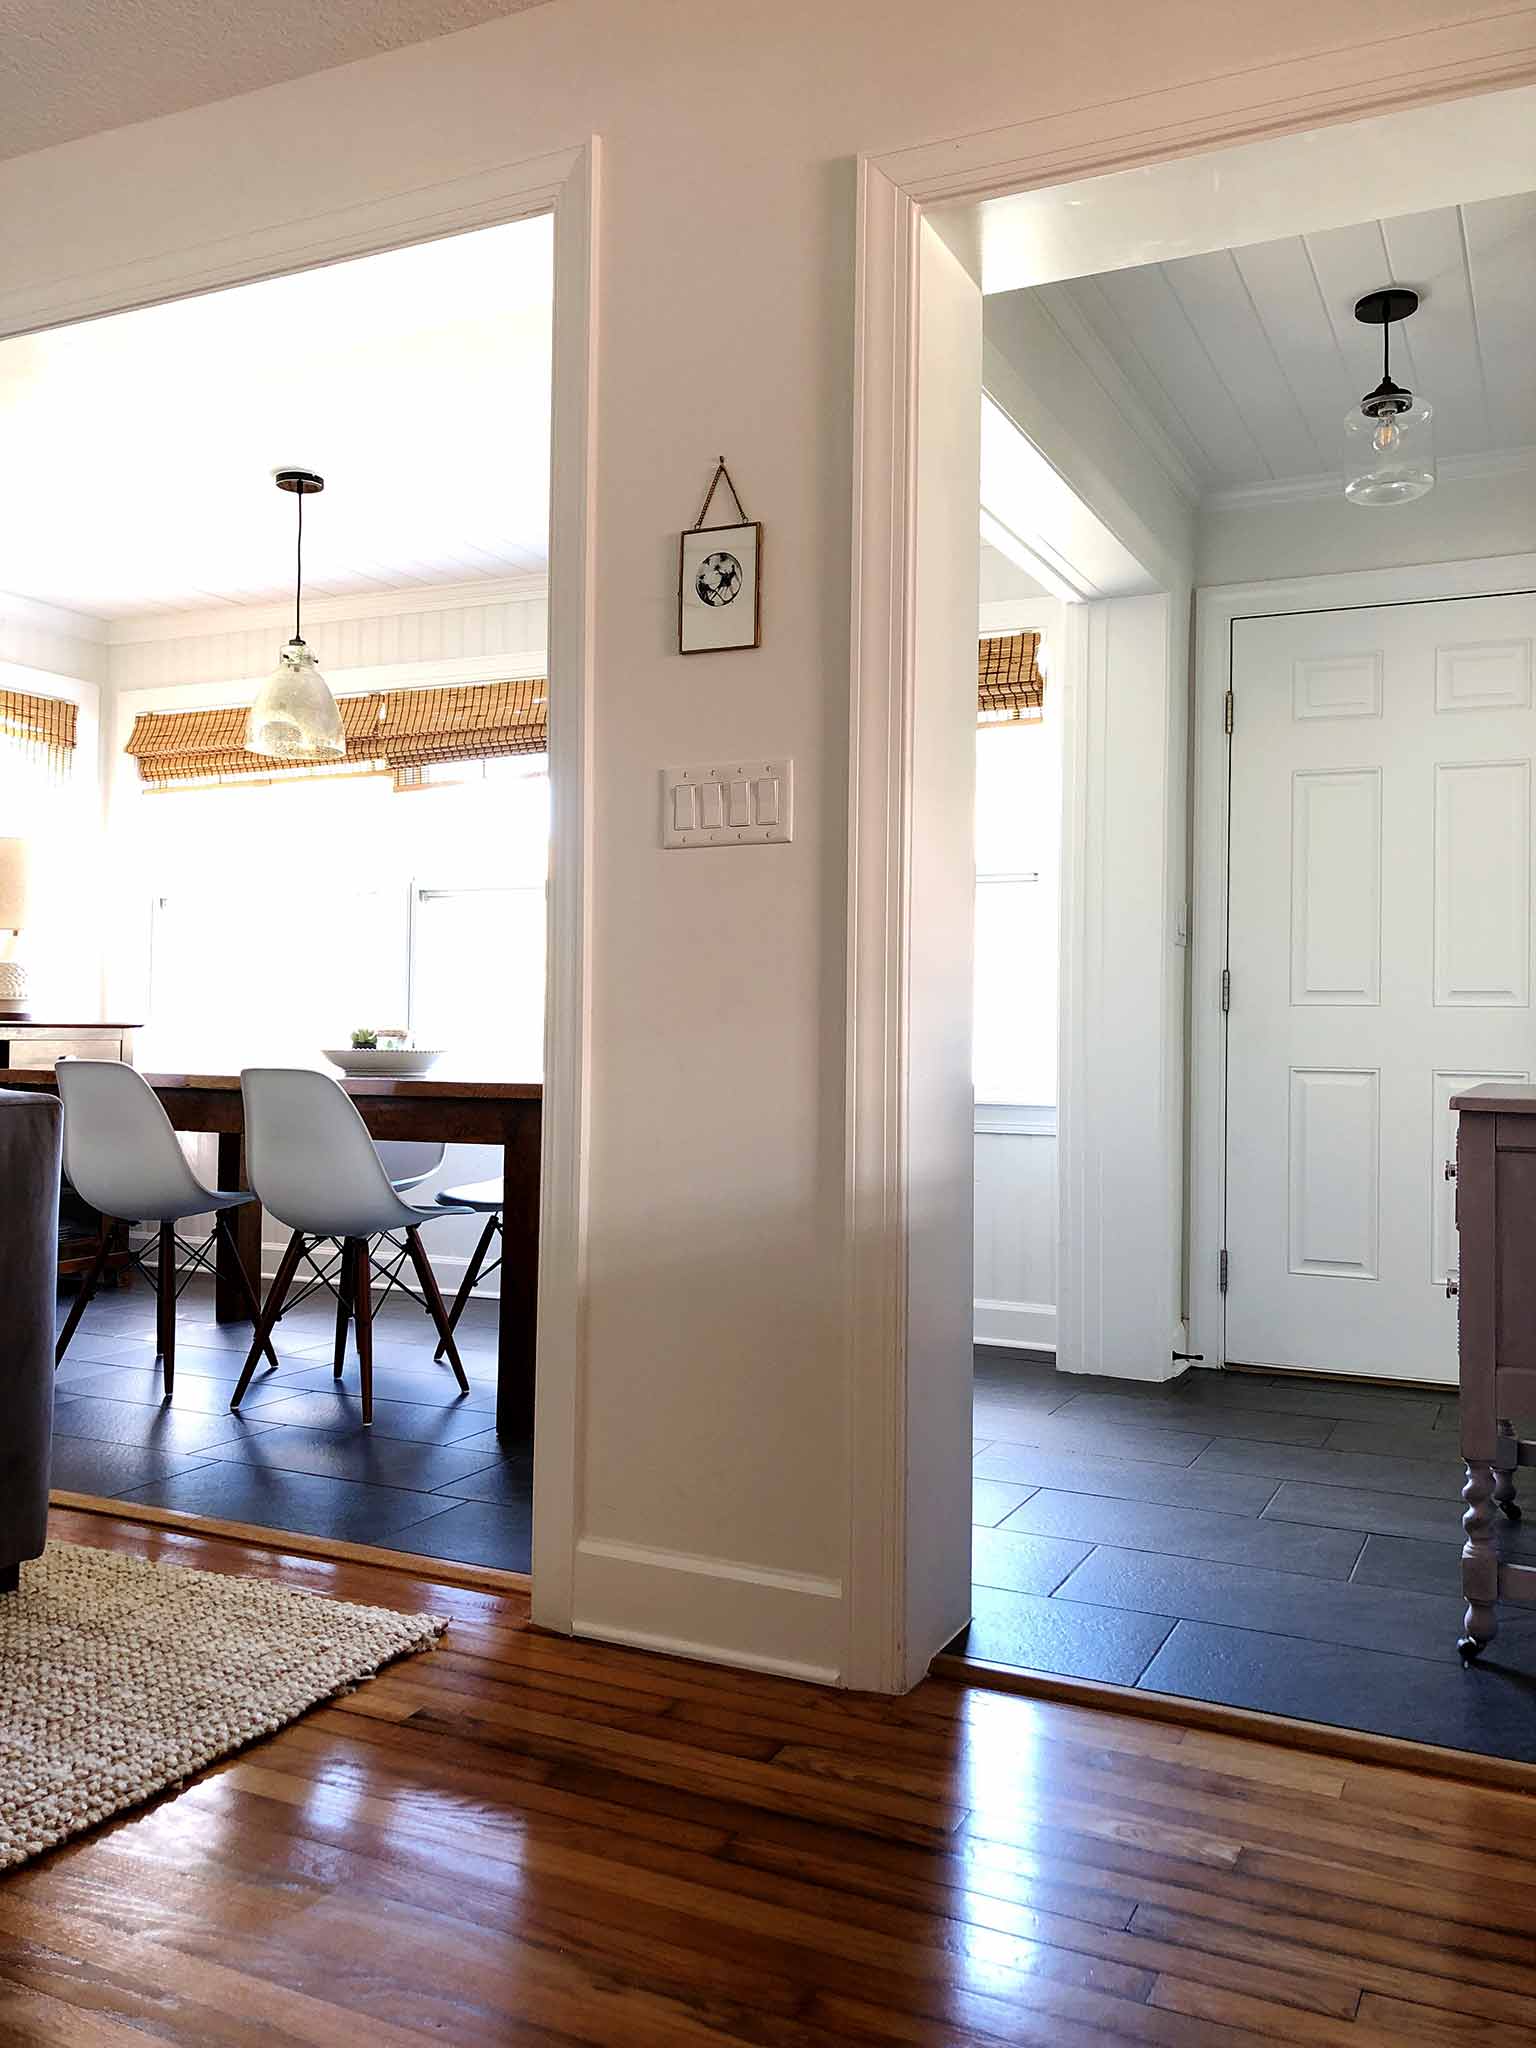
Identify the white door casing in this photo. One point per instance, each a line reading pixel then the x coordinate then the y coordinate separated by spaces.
pixel 1380 942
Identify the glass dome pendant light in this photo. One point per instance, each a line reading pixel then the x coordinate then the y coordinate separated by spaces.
pixel 1391 449
pixel 295 717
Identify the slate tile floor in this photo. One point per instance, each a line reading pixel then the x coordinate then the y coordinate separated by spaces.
pixel 430 1476
pixel 1270 1542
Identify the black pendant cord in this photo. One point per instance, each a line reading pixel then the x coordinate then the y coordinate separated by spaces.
pixel 1386 371
pixel 298 573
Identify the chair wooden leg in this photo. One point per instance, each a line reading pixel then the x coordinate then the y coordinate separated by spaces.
pixel 165 1306
pixel 434 1299
pixel 362 1310
pixel 10 1578
pixel 343 1308
pixel 85 1293
pixel 225 1223
pixel 471 1274
pixel 276 1294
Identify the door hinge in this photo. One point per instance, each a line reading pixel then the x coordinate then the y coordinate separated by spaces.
pixel 1226 990
pixel 1225 1269
pixel 1226 714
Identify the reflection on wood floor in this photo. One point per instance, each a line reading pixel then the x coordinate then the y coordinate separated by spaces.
pixel 516 1839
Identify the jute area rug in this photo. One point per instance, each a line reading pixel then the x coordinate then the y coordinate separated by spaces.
pixel 119 1678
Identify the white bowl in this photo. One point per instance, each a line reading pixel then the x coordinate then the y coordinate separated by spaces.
pixel 362 1063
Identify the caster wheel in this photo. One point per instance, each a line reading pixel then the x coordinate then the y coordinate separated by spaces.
pixel 1510 1509
pixel 1469 1648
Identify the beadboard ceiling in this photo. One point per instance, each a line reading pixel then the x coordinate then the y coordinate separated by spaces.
pixel 138 450
pixel 74 70
pixel 1248 359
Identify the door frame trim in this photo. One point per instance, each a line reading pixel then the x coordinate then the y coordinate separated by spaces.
pixel 894 190
pixel 1216 611
pixel 563 183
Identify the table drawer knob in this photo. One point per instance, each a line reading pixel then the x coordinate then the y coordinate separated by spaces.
pixel 1452 1287
pixel 1450 1169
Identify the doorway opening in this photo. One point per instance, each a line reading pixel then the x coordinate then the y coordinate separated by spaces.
pixel 1149 1514
pixel 243 912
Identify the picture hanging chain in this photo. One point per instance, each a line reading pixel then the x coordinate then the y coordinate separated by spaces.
pixel 720 471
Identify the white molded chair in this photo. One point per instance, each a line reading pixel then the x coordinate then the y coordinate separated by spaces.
pixel 410 1161
pixel 314 1166
pixel 122 1156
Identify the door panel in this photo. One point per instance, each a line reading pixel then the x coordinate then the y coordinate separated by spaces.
pixel 1380 951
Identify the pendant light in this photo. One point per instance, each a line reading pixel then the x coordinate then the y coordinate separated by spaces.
pixel 1391 450
pixel 295 717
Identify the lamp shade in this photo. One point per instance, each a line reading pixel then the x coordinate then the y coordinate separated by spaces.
pixel 295 717
pixel 1391 458
pixel 13 885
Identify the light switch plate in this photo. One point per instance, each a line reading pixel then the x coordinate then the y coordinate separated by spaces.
pixel 746 802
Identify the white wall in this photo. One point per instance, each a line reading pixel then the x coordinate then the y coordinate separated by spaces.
pixel 1015 1142
pixel 1123 682
pixel 1016 1210
pixel 714 1456
pixel 57 653
pixel 1472 512
pixel 1119 1307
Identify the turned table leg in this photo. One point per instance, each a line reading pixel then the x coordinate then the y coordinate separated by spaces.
pixel 1479 1562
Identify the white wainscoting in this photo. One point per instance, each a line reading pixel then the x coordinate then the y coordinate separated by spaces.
pixel 1016 1212
pixel 474 629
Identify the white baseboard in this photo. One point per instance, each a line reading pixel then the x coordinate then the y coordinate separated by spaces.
pixel 1030 1325
pixel 716 1609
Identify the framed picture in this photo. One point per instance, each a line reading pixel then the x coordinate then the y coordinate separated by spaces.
pixel 719 584
pixel 720 578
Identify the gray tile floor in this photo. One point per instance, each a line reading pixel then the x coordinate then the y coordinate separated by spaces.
pixel 1271 1542
pixel 430 1476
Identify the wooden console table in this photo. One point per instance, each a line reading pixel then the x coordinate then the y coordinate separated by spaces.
pixel 33 1042
pixel 505 1113
pixel 1495 1175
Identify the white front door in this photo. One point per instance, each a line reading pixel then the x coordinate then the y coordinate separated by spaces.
pixel 1380 958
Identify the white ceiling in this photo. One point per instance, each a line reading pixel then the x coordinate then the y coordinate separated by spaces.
pixel 1248 359
pixel 138 450
pixel 73 70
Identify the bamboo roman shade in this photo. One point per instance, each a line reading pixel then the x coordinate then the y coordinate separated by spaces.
pixel 388 732
pixel 470 722
pixel 41 728
pixel 1010 688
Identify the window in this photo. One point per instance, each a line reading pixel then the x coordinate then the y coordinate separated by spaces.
pixel 1018 833
pixel 285 915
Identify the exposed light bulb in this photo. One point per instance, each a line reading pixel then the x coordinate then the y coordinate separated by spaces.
pixel 1386 435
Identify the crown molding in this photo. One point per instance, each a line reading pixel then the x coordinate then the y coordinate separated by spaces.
pixel 1299 490
pixel 52 618
pixel 368 604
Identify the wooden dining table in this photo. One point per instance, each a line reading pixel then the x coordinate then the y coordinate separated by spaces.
pixel 508 1114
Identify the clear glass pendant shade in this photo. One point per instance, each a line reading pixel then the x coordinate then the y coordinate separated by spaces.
pixel 295 717
pixel 1391 455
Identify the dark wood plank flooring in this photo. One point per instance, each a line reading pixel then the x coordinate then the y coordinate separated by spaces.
pixel 430 1476
pixel 1276 1543
pixel 516 1839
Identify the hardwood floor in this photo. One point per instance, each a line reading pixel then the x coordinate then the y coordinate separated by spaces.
pixel 516 1839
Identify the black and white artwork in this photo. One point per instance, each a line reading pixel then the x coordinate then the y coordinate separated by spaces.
pixel 719 585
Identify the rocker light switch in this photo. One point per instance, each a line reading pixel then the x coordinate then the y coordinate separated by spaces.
pixel 737 803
